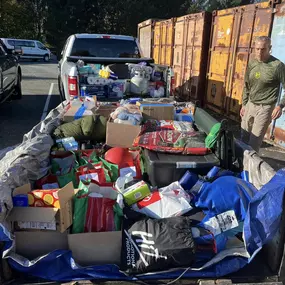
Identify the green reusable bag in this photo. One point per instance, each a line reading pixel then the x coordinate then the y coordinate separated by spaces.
pixel 80 204
pixel 112 168
pixel 212 137
pixel 64 179
pixel 94 157
pixel 118 217
pixel 61 166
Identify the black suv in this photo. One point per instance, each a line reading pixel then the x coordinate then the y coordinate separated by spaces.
pixel 10 74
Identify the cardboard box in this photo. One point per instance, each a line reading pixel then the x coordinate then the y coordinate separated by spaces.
pixel 96 248
pixel 70 113
pixel 54 219
pixel 121 135
pixel 117 89
pixel 87 248
pixel 156 111
pixel 101 89
pixel 136 192
pixel 35 244
pixel 105 110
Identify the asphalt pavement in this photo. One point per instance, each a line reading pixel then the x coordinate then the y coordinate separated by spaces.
pixel 19 117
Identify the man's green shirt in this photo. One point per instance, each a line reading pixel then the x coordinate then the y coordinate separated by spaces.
pixel 262 82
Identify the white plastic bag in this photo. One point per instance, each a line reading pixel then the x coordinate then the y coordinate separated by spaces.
pixel 121 181
pixel 166 202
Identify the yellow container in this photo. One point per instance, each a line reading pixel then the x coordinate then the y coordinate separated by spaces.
pixel 232 41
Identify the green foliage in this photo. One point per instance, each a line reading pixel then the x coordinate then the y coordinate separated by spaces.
pixel 53 21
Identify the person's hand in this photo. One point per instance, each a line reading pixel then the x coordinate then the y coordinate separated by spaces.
pixel 242 111
pixel 277 112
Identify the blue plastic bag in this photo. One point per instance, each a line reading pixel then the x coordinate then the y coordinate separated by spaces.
pixel 225 202
pixel 261 223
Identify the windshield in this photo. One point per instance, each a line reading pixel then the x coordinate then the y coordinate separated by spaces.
pixel 41 46
pixel 105 48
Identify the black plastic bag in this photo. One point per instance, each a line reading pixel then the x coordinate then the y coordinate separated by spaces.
pixel 151 245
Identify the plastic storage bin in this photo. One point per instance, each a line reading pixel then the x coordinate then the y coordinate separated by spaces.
pixel 163 168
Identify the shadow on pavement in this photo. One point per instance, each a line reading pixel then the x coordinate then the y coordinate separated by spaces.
pixel 38 78
pixel 30 62
pixel 19 117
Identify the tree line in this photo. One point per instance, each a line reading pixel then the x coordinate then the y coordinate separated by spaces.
pixel 52 21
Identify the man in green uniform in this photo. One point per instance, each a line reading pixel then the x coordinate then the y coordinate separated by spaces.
pixel 263 77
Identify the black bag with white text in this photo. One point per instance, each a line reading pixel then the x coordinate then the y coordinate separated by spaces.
pixel 151 245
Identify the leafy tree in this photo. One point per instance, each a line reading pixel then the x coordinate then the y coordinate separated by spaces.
pixel 54 20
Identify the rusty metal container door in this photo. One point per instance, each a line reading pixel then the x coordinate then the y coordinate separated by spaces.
pixel 252 21
pixel 145 37
pixel 179 51
pixel 221 38
pixel 157 42
pixel 277 129
pixel 233 35
pixel 191 45
pixel 196 56
pixel 167 42
pixel 163 42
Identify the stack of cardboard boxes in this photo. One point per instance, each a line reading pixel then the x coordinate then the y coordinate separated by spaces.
pixel 40 230
pixel 123 135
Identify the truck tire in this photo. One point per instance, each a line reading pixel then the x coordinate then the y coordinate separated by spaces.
pixel 18 88
pixel 46 58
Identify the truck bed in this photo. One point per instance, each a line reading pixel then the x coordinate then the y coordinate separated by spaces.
pixel 256 272
pixel 267 266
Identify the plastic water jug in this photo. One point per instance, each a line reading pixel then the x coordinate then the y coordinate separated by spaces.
pixel 76 102
pixel 139 83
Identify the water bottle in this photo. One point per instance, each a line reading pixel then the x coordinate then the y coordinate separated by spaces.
pixel 83 91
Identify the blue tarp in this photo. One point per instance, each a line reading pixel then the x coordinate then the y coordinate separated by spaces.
pixel 260 226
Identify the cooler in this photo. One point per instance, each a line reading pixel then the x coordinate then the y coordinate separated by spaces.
pixel 164 168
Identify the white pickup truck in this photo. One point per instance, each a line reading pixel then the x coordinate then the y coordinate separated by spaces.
pixel 104 50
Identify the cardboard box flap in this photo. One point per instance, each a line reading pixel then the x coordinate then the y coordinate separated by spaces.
pixel 22 190
pixel 153 104
pixel 72 110
pixel 96 248
pixel 31 214
pixel 121 135
pixel 65 196
pixel 156 111
pixel 105 110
